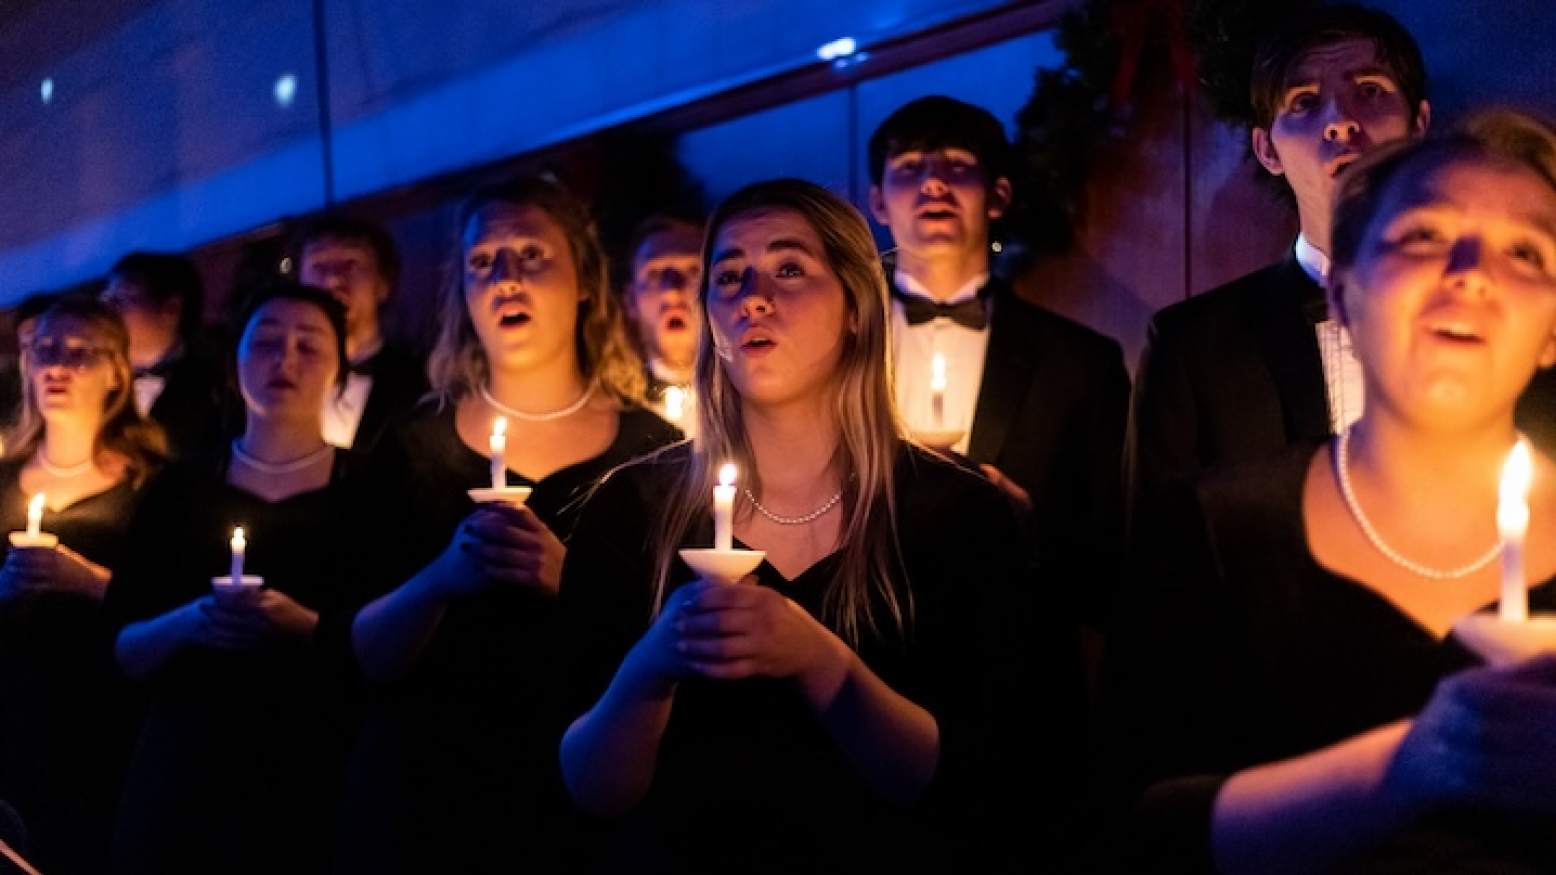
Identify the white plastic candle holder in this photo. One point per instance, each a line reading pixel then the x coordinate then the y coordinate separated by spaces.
pixel 225 587
pixel 46 540
pixel 940 440
pixel 510 495
pixel 1500 642
pixel 723 566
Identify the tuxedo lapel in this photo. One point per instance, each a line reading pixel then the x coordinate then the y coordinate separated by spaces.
pixel 1285 334
pixel 1008 364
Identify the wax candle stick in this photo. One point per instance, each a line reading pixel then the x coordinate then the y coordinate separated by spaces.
pixel 499 445
pixel 1512 525
pixel 937 385
pixel 239 545
pixel 35 515
pixel 724 509
pixel 675 403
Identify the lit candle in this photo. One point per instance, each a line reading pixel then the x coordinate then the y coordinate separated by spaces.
pixel 937 390
pixel 724 509
pixel 675 403
pixel 499 448
pixel 239 544
pixel 35 516
pixel 1512 524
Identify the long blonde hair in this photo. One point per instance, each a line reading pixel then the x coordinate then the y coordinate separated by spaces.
pixel 457 366
pixel 868 424
pixel 123 430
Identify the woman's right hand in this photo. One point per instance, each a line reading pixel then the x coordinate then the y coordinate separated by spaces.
pixel 1484 738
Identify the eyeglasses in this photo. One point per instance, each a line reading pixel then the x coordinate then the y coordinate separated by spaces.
pixel 49 353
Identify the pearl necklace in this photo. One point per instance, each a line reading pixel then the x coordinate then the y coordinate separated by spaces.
pixel 1343 475
pixel 569 410
pixel 794 520
pixel 63 473
pixel 276 470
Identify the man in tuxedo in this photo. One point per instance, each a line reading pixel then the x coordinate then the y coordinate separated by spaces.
pixel 1253 366
pixel 357 261
pixel 660 300
pixel 1035 401
pixel 1038 402
pixel 182 378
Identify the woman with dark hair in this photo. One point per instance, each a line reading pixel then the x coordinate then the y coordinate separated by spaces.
pixel 251 696
pixel 1290 690
pixel 456 767
pixel 840 709
pixel 80 453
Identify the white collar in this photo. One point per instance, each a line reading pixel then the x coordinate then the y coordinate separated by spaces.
pixel 906 283
pixel 1314 263
pixel 664 373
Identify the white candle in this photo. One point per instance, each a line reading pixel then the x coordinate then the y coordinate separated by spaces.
pixel 937 384
pixel 499 446
pixel 35 516
pixel 724 509
pixel 239 544
pixel 1512 524
pixel 675 403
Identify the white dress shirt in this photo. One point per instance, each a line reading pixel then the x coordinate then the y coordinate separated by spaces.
pixel 914 348
pixel 1342 372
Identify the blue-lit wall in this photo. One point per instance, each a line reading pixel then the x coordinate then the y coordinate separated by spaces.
pixel 190 120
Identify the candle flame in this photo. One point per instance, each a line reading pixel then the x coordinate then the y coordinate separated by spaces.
pixel 500 427
pixel 1516 473
pixel 35 507
pixel 727 474
pixel 675 402
pixel 937 372
pixel 238 541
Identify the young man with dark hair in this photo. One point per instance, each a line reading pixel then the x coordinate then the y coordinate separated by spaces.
pixel 1036 401
pixel 1253 366
pixel 181 379
pixel 660 301
pixel 358 262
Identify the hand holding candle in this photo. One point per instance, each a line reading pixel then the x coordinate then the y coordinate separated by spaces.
pixel 499 445
pixel 1512 524
pixel 724 509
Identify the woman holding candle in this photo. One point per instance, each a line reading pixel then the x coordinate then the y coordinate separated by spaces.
pixel 253 703
pixel 1287 693
pixel 838 710
pixel 79 454
pixel 457 761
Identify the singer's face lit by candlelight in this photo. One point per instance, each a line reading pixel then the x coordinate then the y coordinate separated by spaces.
pixel 1452 296
pixel 521 285
pixel 662 297
pixel 287 359
pixel 778 309
pixel 71 366
pixel 937 199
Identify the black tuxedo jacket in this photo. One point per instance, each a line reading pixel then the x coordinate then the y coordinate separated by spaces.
pixel 199 405
pixel 1230 375
pixel 1235 374
pixel 1050 415
pixel 399 382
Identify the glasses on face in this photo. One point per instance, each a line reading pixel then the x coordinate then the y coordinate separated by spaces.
pixel 48 353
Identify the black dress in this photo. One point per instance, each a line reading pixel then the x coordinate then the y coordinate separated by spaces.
pixel 456 768
pixel 747 778
pixel 238 765
pixel 67 719
pixel 1241 650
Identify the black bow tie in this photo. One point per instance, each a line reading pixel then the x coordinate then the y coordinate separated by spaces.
pixel 968 313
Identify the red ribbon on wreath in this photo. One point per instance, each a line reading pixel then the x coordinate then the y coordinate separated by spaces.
pixel 1135 22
